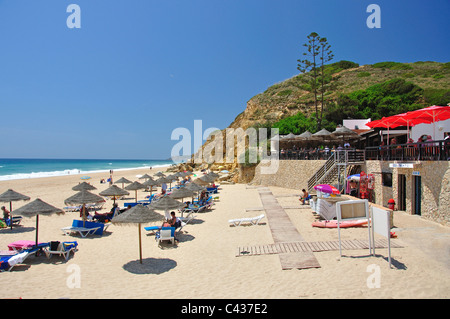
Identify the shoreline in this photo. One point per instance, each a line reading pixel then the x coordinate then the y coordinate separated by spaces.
pixel 62 173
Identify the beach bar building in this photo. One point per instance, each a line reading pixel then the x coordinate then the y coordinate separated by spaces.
pixel 414 175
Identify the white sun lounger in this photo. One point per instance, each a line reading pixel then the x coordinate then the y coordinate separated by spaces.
pixel 63 248
pixel 252 220
pixel 83 231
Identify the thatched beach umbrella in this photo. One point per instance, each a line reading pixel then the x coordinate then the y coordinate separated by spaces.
pixel 114 191
pixel 134 187
pixel 160 174
pixel 182 193
pixel 163 180
pixel 172 178
pixel 305 135
pixel 123 180
pixel 195 187
pixel 166 203
pixel 205 179
pixel 179 174
pixel 214 175
pixel 321 135
pixel 84 197
pixel 150 183
pixel 36 208
pixel 290 136
pixel 137 215
pixel 84 186
pixel 342 131
pixel 12 196
pixel 145 176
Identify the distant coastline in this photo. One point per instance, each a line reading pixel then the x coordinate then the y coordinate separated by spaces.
pixel 20 168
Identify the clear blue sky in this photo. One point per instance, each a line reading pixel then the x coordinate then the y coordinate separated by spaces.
pixel 137 69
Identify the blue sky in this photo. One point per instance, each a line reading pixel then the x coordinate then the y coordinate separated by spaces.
pixel 138 69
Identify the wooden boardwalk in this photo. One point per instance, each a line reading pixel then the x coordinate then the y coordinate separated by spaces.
pixel 317 246
pixel 283 231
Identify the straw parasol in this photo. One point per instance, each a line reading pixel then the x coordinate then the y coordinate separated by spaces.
pixel 84 197
pixel 166 203
pixel 215 175
pixel 150 183
pixel 134 187
pixel 159 174
pixel 322 134
pixel 205 179
pixel 172 178
pixel 342 131
pixel 114 191
pixel 290 136
pixel 195 187
pixel 139 214
pixel 12 196
pixel 123 180
pixel 182 193
pixel 36 208
pixel 85 186
pixel 305 135
pixel 145 176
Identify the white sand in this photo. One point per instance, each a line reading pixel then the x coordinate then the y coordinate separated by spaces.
pixel 203 264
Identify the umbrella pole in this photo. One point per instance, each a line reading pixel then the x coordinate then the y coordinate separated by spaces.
pixel 84 214
pixel 140 243
pixel 10 214
pixel 37 229
pixel 135 194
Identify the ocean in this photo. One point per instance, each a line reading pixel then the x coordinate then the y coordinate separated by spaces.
pixel 21 168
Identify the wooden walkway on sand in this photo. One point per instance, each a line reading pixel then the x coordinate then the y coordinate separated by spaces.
pixel 317 246
pixel 283 231
pixel 294 252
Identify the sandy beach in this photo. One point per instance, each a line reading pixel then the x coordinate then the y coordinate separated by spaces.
pixel 203 264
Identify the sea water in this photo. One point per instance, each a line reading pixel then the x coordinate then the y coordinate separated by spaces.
pixel 21 168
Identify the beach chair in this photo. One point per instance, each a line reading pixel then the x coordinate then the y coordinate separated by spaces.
pixel 7 262
pixel 251 220
pixel 193 208
pixel 166 233
pixel 190 216
pixel 153 229
pixel 72 208
pixel 89 228
pixel 64 248
pixel 15 220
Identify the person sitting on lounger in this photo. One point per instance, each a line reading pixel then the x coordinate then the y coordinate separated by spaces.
pixel 203 198
pixel 106 216
pixel 174 221
pixel 305 197
pixel 6 214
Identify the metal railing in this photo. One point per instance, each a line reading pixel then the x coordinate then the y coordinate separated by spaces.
pixel 423 151
pixel 335 167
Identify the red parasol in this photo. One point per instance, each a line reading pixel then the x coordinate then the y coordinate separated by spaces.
pixel 431 114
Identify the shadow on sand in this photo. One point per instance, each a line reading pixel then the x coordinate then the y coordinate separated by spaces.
pixel 154 266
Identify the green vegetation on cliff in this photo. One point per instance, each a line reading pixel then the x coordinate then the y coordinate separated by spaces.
pixel 368 91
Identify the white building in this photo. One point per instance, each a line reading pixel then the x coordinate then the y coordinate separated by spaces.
pixel 436 130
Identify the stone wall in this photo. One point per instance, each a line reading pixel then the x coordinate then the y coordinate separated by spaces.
pixel 290 174
pixel 435 199
pixel 435 182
